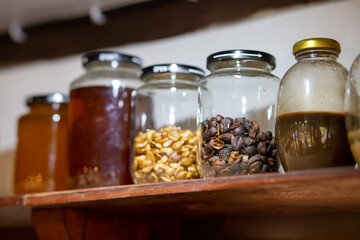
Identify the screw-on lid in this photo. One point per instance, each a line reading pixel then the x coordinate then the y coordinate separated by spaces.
pixel 49 98
pixel 173 68
pixel 316 43
pixel 241 54
pixel 109 56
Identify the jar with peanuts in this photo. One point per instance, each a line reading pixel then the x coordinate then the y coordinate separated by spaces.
pixel 164 121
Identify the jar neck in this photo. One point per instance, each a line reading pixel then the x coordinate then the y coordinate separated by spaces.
pixel 327 54
pixel 42 107
pixel 113 66
pixel 172 78
pixel 240 64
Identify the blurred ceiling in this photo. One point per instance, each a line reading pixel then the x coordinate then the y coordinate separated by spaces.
pixel 24 13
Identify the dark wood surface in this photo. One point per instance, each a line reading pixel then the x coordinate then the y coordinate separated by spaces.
pixel 332 190
pixel 311 204
pixel 140 22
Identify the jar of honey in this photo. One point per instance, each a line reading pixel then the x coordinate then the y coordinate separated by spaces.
pixel 41 159
pixel 99 119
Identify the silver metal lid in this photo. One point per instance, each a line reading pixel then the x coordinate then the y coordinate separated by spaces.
pixel 173 68
pixel 109 56
pixel 241 54
pixel 49 98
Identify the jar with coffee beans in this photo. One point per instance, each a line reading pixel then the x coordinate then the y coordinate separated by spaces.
pixel 236 114
pixel 310 121
pixel 164 137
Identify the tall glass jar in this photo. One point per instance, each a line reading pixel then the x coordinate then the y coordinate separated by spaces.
pixel 237 108
pixel 164 120
pixel 99 119
pixel 352 108
pixel 310 127
pixel 41 161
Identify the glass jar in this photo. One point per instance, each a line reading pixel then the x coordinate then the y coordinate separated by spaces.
pixel 352 108
pixel 237 108
pixel 41 158
pixel 310 127
pixel 99 119
pixel 164 120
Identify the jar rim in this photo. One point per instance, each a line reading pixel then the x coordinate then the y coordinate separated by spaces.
pixel 172 68
pixel 109 56
pixel 241 54
pixel 47 98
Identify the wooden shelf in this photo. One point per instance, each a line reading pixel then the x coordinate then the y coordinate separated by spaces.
pixel 332 190
pixel 323 202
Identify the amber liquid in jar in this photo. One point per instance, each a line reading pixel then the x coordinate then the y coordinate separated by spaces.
pixel 99 148
pixel 41 157
pixel 312 140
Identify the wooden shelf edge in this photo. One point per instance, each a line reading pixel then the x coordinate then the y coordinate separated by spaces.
pixel 178 187
pixel 18 200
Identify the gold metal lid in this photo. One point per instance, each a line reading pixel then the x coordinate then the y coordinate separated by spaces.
pixel 315 43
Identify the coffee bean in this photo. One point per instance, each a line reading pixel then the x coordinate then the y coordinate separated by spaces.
pixel 219 118
pixel 261 148
pixel 261 136
pixel 249 150
pixel 252 133
pixel 213 123
pixel 233 126
pixel 225 124
pixel 256 125
pixel 247 141
pixel 268 135
pixel 264 159
pixel 236 142
pixel 217 144
pixel 212 131
pixel 219 165
pixel 256 167
pixel 207 153
pixel 239 130
pixel 205 125
pixel 254 158
pixel 226 137
pixel 224 153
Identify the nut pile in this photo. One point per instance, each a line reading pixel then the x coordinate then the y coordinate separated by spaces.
pixel 165 155
pixel 236 147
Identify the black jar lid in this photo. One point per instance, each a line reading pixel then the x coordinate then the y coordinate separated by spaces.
pixel 109 56
pixel 173 68
pixel 241 54
pixel 48 98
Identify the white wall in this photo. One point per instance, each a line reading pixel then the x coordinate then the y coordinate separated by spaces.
pixel 274 32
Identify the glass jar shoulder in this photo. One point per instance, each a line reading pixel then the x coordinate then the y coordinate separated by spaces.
pixel 314 69
pixel 313 85
pixel 45 111
pixel 107 78
pixel 167 85
pixel 243 72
